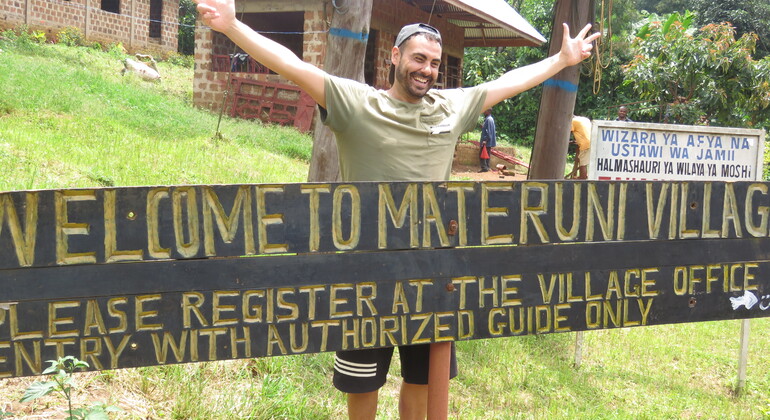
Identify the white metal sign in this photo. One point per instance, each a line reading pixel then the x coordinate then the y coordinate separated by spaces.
pixel 644 151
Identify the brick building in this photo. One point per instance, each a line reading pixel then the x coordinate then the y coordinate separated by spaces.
pixel 141 25
pixel 303 25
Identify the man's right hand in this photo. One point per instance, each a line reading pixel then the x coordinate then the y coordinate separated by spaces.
pixel 217 14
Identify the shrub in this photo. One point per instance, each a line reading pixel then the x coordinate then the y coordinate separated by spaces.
pixel 71 37
pixel 187 61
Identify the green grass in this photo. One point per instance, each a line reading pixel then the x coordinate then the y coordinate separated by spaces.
pixel 68 119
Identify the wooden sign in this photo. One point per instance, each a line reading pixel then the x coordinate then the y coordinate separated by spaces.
pixel 126 277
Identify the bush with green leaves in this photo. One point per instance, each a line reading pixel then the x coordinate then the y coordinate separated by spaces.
pixel 71 37
pixel 63 382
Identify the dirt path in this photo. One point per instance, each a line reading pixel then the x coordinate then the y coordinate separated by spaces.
pixel 464 172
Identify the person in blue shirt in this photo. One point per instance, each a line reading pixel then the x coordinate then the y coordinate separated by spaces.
pixel 488 139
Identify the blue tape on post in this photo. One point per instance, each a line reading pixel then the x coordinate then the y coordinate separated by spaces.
pixel 561 84
pixel 347 33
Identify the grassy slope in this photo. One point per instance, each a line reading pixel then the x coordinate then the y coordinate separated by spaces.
pixel 68 119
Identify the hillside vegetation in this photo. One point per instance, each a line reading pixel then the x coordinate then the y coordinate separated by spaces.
pixel 69 119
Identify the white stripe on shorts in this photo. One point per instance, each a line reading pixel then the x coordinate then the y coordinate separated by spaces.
pixel 361 370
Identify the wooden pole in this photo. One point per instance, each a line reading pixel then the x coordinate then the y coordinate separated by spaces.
pixel 743 357
pixel 438 380
pixel 557 102
pixel 345 55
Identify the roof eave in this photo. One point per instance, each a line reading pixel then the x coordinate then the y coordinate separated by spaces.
pixel 523 29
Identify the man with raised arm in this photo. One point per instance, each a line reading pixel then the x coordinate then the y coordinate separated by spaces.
pixel 407 133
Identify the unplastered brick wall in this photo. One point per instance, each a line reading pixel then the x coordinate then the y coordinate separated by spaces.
pixel 209 86
pixel 388 16
pixel 131 26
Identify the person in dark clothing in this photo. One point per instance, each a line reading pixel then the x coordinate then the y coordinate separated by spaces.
pixel 488 140
pixel 623 114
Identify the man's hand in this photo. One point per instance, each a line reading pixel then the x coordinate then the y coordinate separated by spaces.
pixel 218 14
pixel 577 49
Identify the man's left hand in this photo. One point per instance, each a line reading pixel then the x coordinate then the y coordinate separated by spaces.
pixel 577 49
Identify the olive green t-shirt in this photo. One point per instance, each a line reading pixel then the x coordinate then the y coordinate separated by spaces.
pixel 383 139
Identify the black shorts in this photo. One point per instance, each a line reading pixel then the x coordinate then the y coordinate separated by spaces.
pixel 358 371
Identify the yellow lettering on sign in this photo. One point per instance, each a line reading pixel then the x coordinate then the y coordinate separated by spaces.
pixel 314 191
pixel 116 313
pixel 93 319
pixel 487 212
pixel 115 352
pixel 23 239
pixel 431 215
pixel 4 359
pixel 191 303
pixel 387 206
pixel 335 301
pixel 111 252
pixel 235 341
pixel 534 212
pixel 760 230
pixel 13 323
pixel 65 228
pixel 572 233
pixel 153 226
pixel 265 220
pixel 34 362
pixel 189 244
pixel 227 224
pixel 54 321
pixel 169 342
pixel 606 216
pixel 59 343
pixel 730 214
pixel 141 313
pixel 462 212
pixel 217 308
pixel 90 350
pixel 351 242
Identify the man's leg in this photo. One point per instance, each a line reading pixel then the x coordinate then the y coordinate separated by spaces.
pixel 415 361
pixel 360 374
pixel 413 402
pixel 362 406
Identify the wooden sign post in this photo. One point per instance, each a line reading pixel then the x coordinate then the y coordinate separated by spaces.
pixel 142 276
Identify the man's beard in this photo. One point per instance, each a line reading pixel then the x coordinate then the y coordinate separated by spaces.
pixel 406 80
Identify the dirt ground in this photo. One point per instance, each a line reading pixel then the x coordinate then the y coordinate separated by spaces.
pixel 465 172
pixel 465 165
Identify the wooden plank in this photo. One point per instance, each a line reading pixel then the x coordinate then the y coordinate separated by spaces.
pixel 66 227
pixel 78 288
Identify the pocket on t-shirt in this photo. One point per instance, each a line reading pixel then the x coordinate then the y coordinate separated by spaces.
pixel 439 129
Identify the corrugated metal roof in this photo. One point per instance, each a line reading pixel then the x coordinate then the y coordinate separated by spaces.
pixel 487 23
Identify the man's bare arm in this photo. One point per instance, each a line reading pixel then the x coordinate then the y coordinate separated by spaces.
pixel 220 16
pixel 573 51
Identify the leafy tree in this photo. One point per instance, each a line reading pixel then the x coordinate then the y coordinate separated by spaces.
pixel 665 6
pixel 186 35
pixel 746 16
pixel 516 118
pixel 685 73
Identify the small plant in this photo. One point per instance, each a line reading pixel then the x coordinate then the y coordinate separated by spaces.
pixel 117 50
pixel 63 382
pixel 766 409
pixel 71 37
pixel 181 60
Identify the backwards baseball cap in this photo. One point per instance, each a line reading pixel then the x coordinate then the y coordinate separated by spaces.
pixel 416 28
